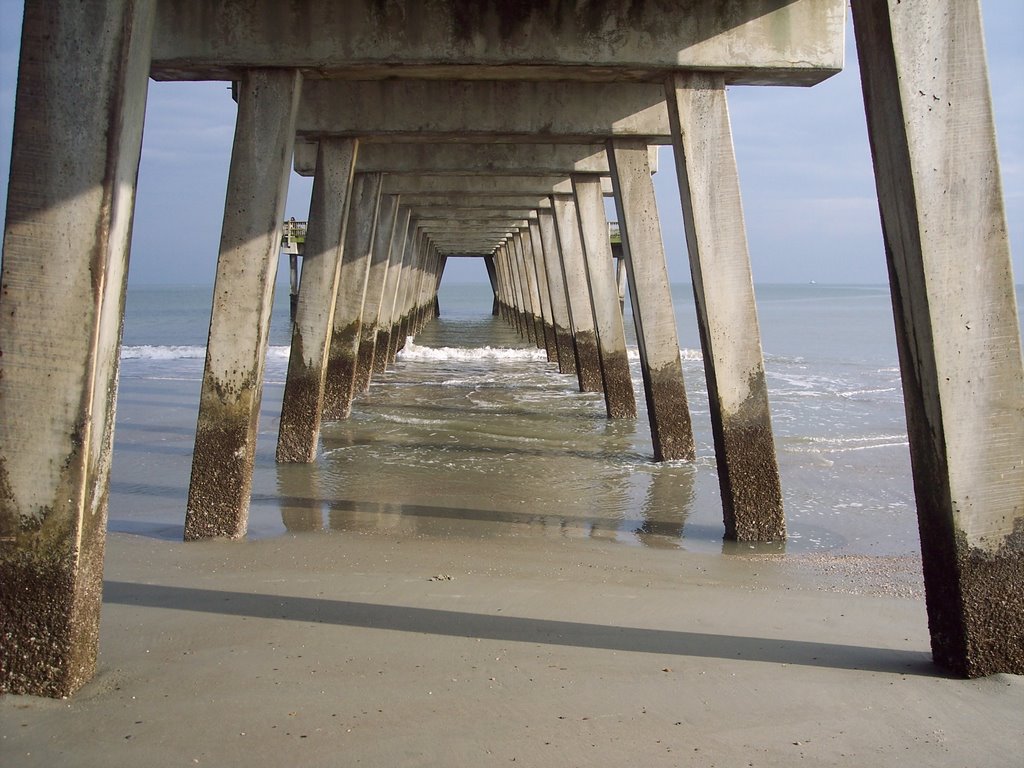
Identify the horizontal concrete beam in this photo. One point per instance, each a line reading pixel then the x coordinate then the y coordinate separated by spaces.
pixel 481 202
pixel 470 159
pixel 408 184
pixel 798 42
pixel 484 111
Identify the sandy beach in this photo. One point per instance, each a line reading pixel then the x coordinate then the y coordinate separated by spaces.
pixel 380 648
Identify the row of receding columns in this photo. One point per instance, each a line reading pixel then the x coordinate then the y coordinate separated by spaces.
pixel 76 148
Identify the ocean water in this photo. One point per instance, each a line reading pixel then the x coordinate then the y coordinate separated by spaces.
pixel 473 433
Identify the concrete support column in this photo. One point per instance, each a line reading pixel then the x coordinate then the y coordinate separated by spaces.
pixel 243 295
pixel 426 279
pixel 565 346
pixel 492 278
pixel 396 340
pixel 929 113
pixel 709 189
pixel 581 313
pixel 619 398
pixel 416 298
pixel 419 256
pixel 501 300
pixel 379 262
pixel 650 296
pixel 410 276
pixel 386 321
pixel 299 432
pixel 77 137
pixel 515 296
pixel 339 388
pixel 540 277
pixel 442 262
pixel 530 272
pixel 529 324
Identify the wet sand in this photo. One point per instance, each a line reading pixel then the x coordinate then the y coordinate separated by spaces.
pixel 384 648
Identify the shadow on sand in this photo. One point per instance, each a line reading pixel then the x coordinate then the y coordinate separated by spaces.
pixel 520 629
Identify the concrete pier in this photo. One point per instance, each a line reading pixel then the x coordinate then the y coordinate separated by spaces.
pixel 348 310
pixel 724 292
pixel 302 405
pixel 229 404
pixel 651 301
pixel 581 313
pixel 76 145
pixel 490 131
pixel 379 262
pixel 619 398
pixel 930 124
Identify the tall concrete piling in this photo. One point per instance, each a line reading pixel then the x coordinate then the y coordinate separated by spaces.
pixel 619 398
pixel 403 227
pixel 581 314
pixel 526 310
pixel 408 280
pixel 541 278
pixel 651 300
pixel 525 244
pixel 492 278
pixel 716 240
pixel 302 406
pixel 930 125
pixel 565 346
pixel 76 145
pixel 375 284
pixel 229 402
pixel 339 387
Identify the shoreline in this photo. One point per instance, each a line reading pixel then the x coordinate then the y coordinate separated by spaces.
pixel 378 648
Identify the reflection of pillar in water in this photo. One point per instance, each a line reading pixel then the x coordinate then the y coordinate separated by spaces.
pixel 666 506
pixel 355 516
pixel 298 493
pixel 611 498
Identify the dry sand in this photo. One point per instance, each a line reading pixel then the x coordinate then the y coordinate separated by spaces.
pixel 384 649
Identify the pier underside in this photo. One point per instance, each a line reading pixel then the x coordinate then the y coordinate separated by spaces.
pixel 492 130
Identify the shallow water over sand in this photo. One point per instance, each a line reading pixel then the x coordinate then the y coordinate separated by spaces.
pixel 474 434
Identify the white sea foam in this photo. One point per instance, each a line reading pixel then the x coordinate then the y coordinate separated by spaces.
pixel 149 352
pixel 415 352
pixel 184 352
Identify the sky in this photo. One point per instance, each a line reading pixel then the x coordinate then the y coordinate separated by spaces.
pixel 804 164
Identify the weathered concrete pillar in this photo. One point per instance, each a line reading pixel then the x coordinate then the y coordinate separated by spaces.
pixel 403 228
pixel 299 432
pixel 525 294
pixel 564 344
pixel 650 296
pixel 442 262
pixel 492 278
pixel 930 123
pixel 505 260
pixel 339 387
pixel 619 399
pixel 250 241
pixel 581 313
pixel 408 283
pixel 77 137
pixel 419 256
pixel 540 278
pixel 379 261
pixel 530 273
pixel 709 189
pixel 426 277
pixel 515 291
pixel 620 279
